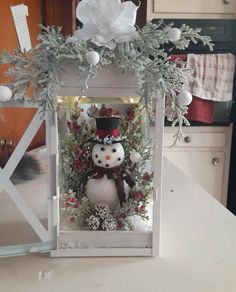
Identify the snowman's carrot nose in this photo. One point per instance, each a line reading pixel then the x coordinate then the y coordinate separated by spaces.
pixel 107 157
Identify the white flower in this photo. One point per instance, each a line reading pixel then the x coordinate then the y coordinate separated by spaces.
pixel 106 22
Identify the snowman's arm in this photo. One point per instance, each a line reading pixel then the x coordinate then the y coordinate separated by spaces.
pixel 128 179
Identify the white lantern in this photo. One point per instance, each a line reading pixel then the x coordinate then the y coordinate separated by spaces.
pixel 96 187
pixel 110 239
pixel 93 238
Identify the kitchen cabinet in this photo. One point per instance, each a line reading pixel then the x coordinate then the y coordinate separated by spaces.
pixel 60 13
pixel 211 9
pixel 203 155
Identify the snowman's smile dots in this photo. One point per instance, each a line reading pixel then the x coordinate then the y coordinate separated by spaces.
pixel 108 156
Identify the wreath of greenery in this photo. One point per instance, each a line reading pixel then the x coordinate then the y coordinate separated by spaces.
pixel 77 164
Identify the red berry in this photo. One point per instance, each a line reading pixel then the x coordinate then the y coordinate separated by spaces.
pixel 138 196
pixel 72 219
pixel 142 209
pixel 120 224
pixel 146 176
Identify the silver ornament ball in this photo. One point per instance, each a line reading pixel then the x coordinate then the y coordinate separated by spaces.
pixel 184 98
pixel 5 93
pixel 174 34
pixel 92 58
pixel 135 157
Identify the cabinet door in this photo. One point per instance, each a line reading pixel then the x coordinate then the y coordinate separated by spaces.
pixel 196 6
pixel 205 168
pixel 60 13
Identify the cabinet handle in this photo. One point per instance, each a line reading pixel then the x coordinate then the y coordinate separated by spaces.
pixel 226 1
pixel 215 161
pixel 187 139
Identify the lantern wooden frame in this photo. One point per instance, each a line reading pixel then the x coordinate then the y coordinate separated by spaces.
pixel 110 82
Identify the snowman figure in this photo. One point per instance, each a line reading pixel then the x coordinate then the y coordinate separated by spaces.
pixel 108 182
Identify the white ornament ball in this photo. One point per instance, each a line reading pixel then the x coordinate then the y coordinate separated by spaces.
pixel 5 93
pixel 174 34
pixel 92 57
pixel 184 98
pixel 135 157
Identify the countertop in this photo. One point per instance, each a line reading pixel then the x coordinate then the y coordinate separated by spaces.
pixel 198 253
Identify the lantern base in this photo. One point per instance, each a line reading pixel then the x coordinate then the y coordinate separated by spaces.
pixel 104 243
pixel 106 252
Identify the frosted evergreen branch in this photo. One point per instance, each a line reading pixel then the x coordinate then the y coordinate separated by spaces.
pixel 178 137
pixel 44 65
pixel 190 34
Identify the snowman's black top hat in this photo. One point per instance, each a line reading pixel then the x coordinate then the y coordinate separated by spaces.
pixel 107 120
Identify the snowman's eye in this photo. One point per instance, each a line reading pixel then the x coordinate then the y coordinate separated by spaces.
pixel 96 156
pixel 102 149
pixel 119 159
pixel 113 150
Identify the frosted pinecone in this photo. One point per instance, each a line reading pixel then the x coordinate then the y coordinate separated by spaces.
pixel 109 224
pixel 93 222
pixel 102 210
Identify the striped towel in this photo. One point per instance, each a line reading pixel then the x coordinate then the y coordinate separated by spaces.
pixel 214 76
pixel 200 110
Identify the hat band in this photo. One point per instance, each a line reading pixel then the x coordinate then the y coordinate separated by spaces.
pixel 102 133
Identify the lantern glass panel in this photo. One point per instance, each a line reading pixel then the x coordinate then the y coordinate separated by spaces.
pixel 106 171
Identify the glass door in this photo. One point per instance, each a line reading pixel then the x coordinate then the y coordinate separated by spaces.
pixel 26 181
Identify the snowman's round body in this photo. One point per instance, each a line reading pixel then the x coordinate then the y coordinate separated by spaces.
pixel 103 189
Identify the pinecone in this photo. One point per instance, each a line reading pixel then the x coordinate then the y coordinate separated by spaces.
pixel 109 224
pixel 93 222
pixel 101 210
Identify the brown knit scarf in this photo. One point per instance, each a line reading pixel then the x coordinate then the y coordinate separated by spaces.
pixel 118 174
